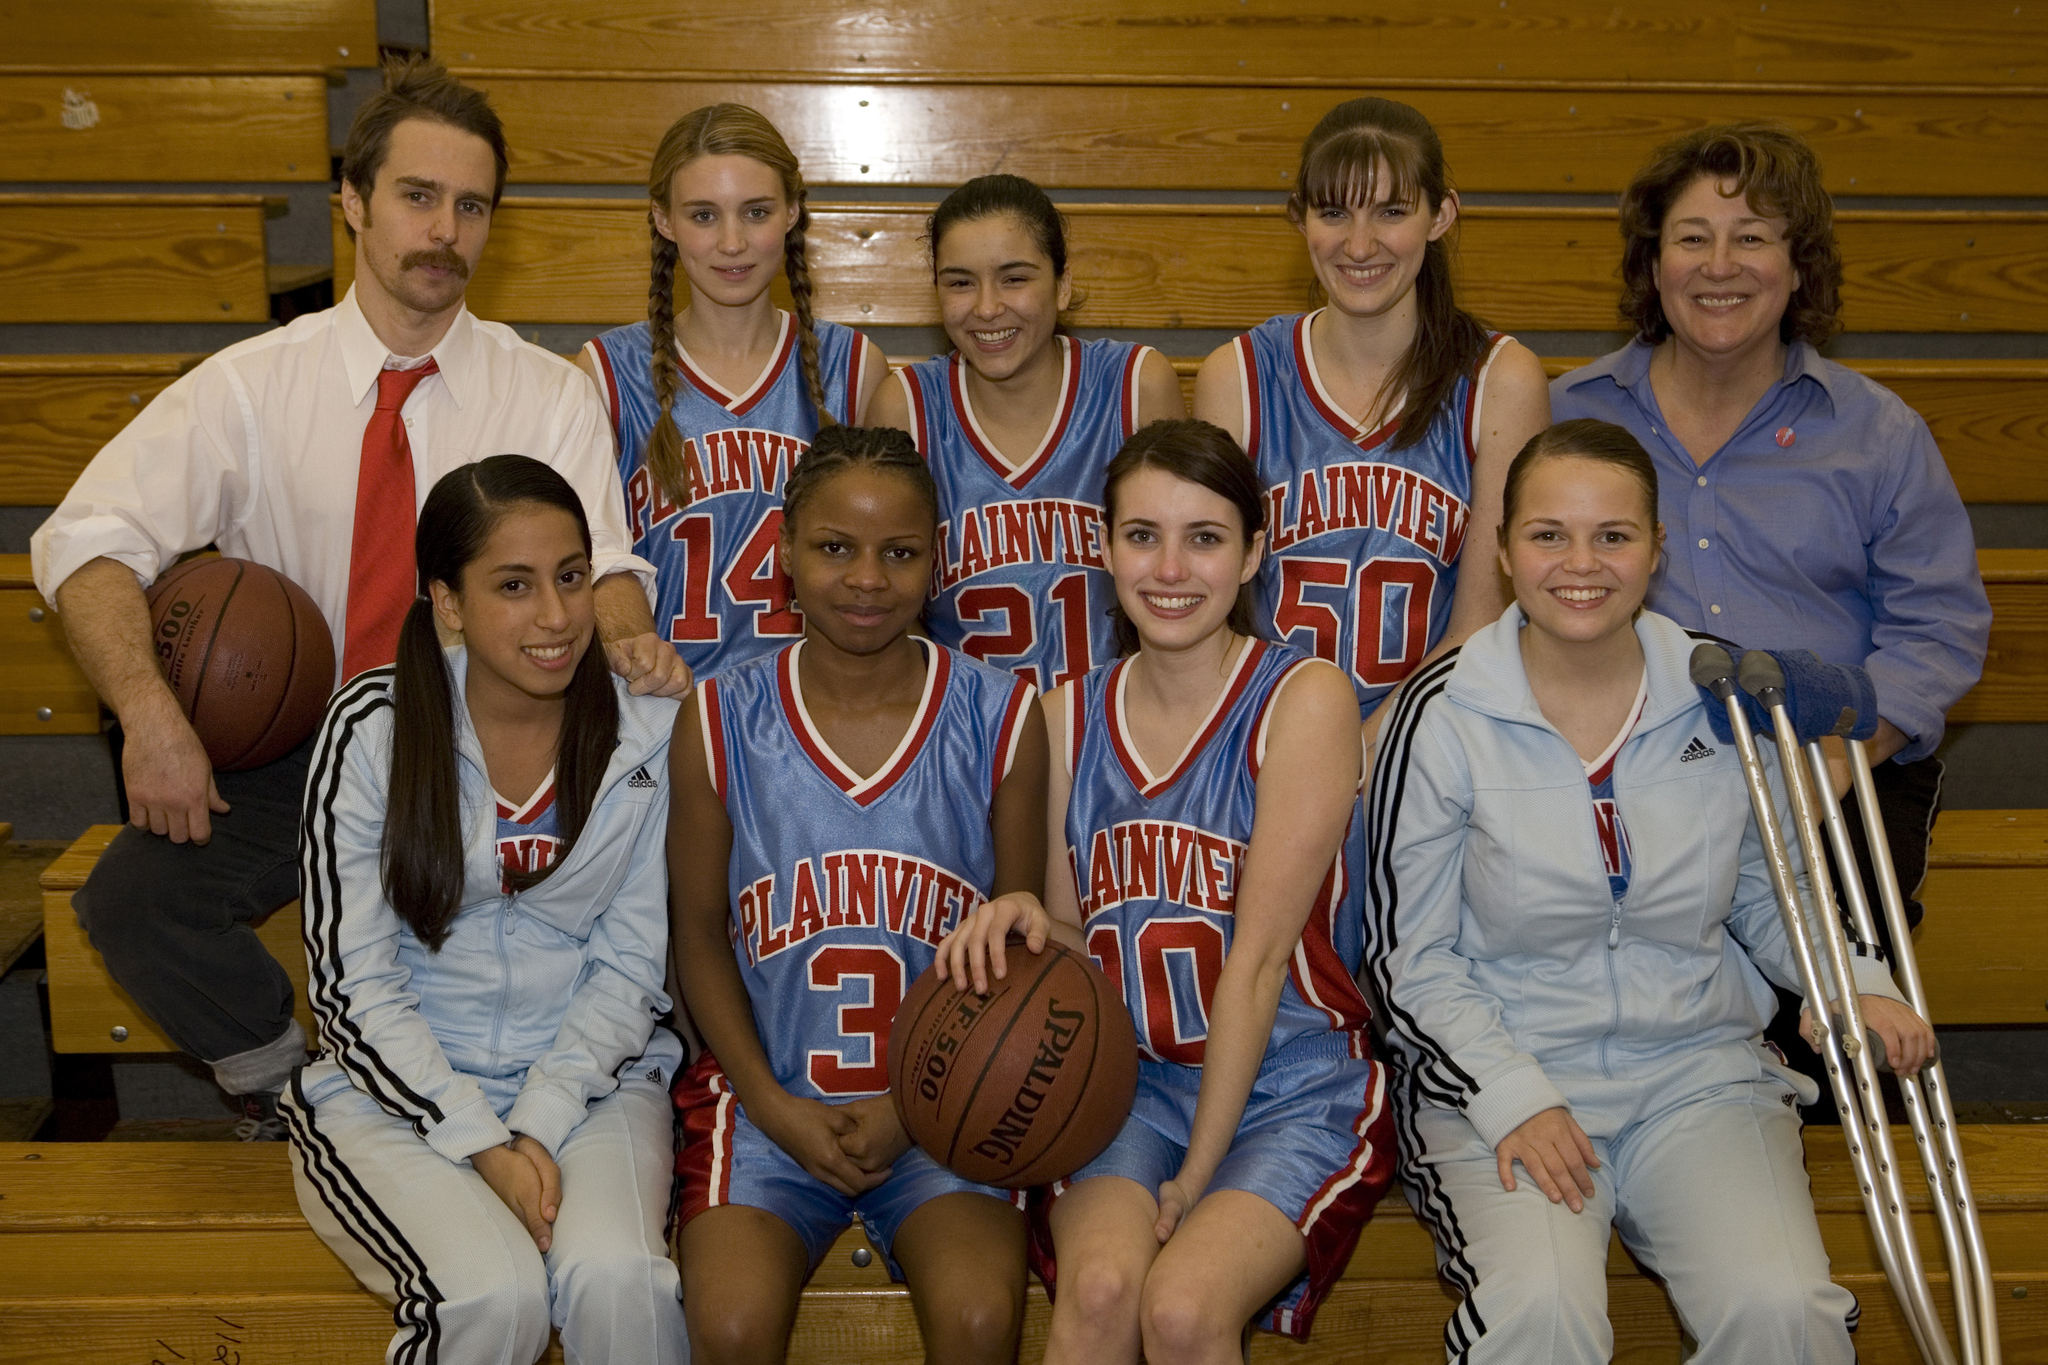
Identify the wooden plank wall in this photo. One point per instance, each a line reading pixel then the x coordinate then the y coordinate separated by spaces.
pixel 114 258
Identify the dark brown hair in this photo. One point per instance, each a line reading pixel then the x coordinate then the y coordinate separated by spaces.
pixel 842 447
pixel 1340 165
pixel 423 840
pixel 417 87
pixel 1201 453
pixel 985 196
pixel 1583 438
pixel 1779 175
pixel 719 130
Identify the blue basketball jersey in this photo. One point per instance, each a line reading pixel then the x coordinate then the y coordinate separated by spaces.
pixel 529 834
pixel 1362 540
pixel 1019 580
pixel 1156 861
pixel 720 594
pixel 843 886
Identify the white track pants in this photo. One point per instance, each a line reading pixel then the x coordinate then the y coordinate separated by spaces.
pixel 468 1284
pixel 1710 1194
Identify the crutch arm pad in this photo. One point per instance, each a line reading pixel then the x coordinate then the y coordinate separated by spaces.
pixel 1823 698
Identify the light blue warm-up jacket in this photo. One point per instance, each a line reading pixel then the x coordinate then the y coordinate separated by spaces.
pixel 1510 979
pixel 539 999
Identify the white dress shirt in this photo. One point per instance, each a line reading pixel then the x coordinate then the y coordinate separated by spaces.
pixel 257 450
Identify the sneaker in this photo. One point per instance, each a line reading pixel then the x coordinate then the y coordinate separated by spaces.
pixel 260 1122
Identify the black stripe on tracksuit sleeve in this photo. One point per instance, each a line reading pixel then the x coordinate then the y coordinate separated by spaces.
pixel 1439 1078
pixel 321 894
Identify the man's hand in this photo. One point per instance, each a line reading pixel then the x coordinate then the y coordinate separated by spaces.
pixel 649 664
pixel 168 775
pixel 528 1180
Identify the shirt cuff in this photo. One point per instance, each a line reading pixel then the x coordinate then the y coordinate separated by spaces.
pixel 544 1116
pixel 468 1131
pixel 604 564
pixel 1874 978
pixel 1511 1100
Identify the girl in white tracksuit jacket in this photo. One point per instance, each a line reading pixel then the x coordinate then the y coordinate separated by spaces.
pixel 1570 923
pixel 486 1139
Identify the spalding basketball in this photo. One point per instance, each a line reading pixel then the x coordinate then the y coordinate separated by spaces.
pixel 247 654
pixel 1024 1085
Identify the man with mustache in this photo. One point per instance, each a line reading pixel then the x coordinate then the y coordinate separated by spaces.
pixel 308 449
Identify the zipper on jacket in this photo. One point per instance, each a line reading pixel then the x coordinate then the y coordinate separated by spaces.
pixel 1614 929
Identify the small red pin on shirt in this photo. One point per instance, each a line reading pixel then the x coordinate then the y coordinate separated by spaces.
pixel 1786 437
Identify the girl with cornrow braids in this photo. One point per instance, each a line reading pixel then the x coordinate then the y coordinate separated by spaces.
pixel 862 736
pixel 712 405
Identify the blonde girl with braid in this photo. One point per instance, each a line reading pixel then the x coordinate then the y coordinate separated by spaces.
pixel 713 401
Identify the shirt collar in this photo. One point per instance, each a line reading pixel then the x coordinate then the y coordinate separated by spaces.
pixel 1629 368
pixel 363 354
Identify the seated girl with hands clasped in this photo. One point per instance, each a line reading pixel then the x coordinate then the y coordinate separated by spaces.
pixel 1204 821
pixel 487 1141
pixel 840 805
pixel 1572 925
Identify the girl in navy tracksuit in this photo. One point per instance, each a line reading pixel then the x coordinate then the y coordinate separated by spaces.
pixel 486 1140
pixel 1571 924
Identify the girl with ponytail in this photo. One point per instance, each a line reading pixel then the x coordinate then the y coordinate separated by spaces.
pixel 485 899
pixel 1382 423
pixel 712 405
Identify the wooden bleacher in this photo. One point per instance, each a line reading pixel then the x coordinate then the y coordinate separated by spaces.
pixel 114 1251
pixel 56 411
pixel 84 125
pixel 579 128
pixel 561 260
pixel 122 1251
pixel 134 258
pixel 200 36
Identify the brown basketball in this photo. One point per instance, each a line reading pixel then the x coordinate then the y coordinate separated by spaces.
pixel 1024 1085
pixel 247 654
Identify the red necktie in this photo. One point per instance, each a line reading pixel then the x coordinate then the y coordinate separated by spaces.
pixel 382 579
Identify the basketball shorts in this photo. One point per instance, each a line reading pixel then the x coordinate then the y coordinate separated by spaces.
pixel 725 1159
pixel 1316 1142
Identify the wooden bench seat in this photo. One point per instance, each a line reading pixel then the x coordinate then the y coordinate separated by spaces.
pixel 42 691
pixel 305 36
pixel 116 1250
pixel 1307 42
pixel 134 258
pixel 56 411
pixel 941 129
pixel 83 125
pixel 1986 895
pixel 563 260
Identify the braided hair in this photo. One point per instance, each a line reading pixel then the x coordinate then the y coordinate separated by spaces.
pixel 839 448
pixel 718 130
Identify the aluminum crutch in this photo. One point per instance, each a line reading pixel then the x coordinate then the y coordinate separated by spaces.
pixel 1714 669
pixel 1762 677
pixel 1946 1174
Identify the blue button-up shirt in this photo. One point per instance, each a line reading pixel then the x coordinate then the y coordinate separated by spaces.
pixel 1827 522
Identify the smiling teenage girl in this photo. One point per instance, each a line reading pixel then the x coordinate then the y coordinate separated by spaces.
pixel 1018 424
pixel 1204 819
pixel 1571 921
pixel 487 1140
pixel 712 407
pixel 842 804
pixel 1381 423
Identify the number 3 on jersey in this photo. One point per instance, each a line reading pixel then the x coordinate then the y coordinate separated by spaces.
pixel 863 1023
pixel 1389 605
pixel 1178 963
pixel 755 577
